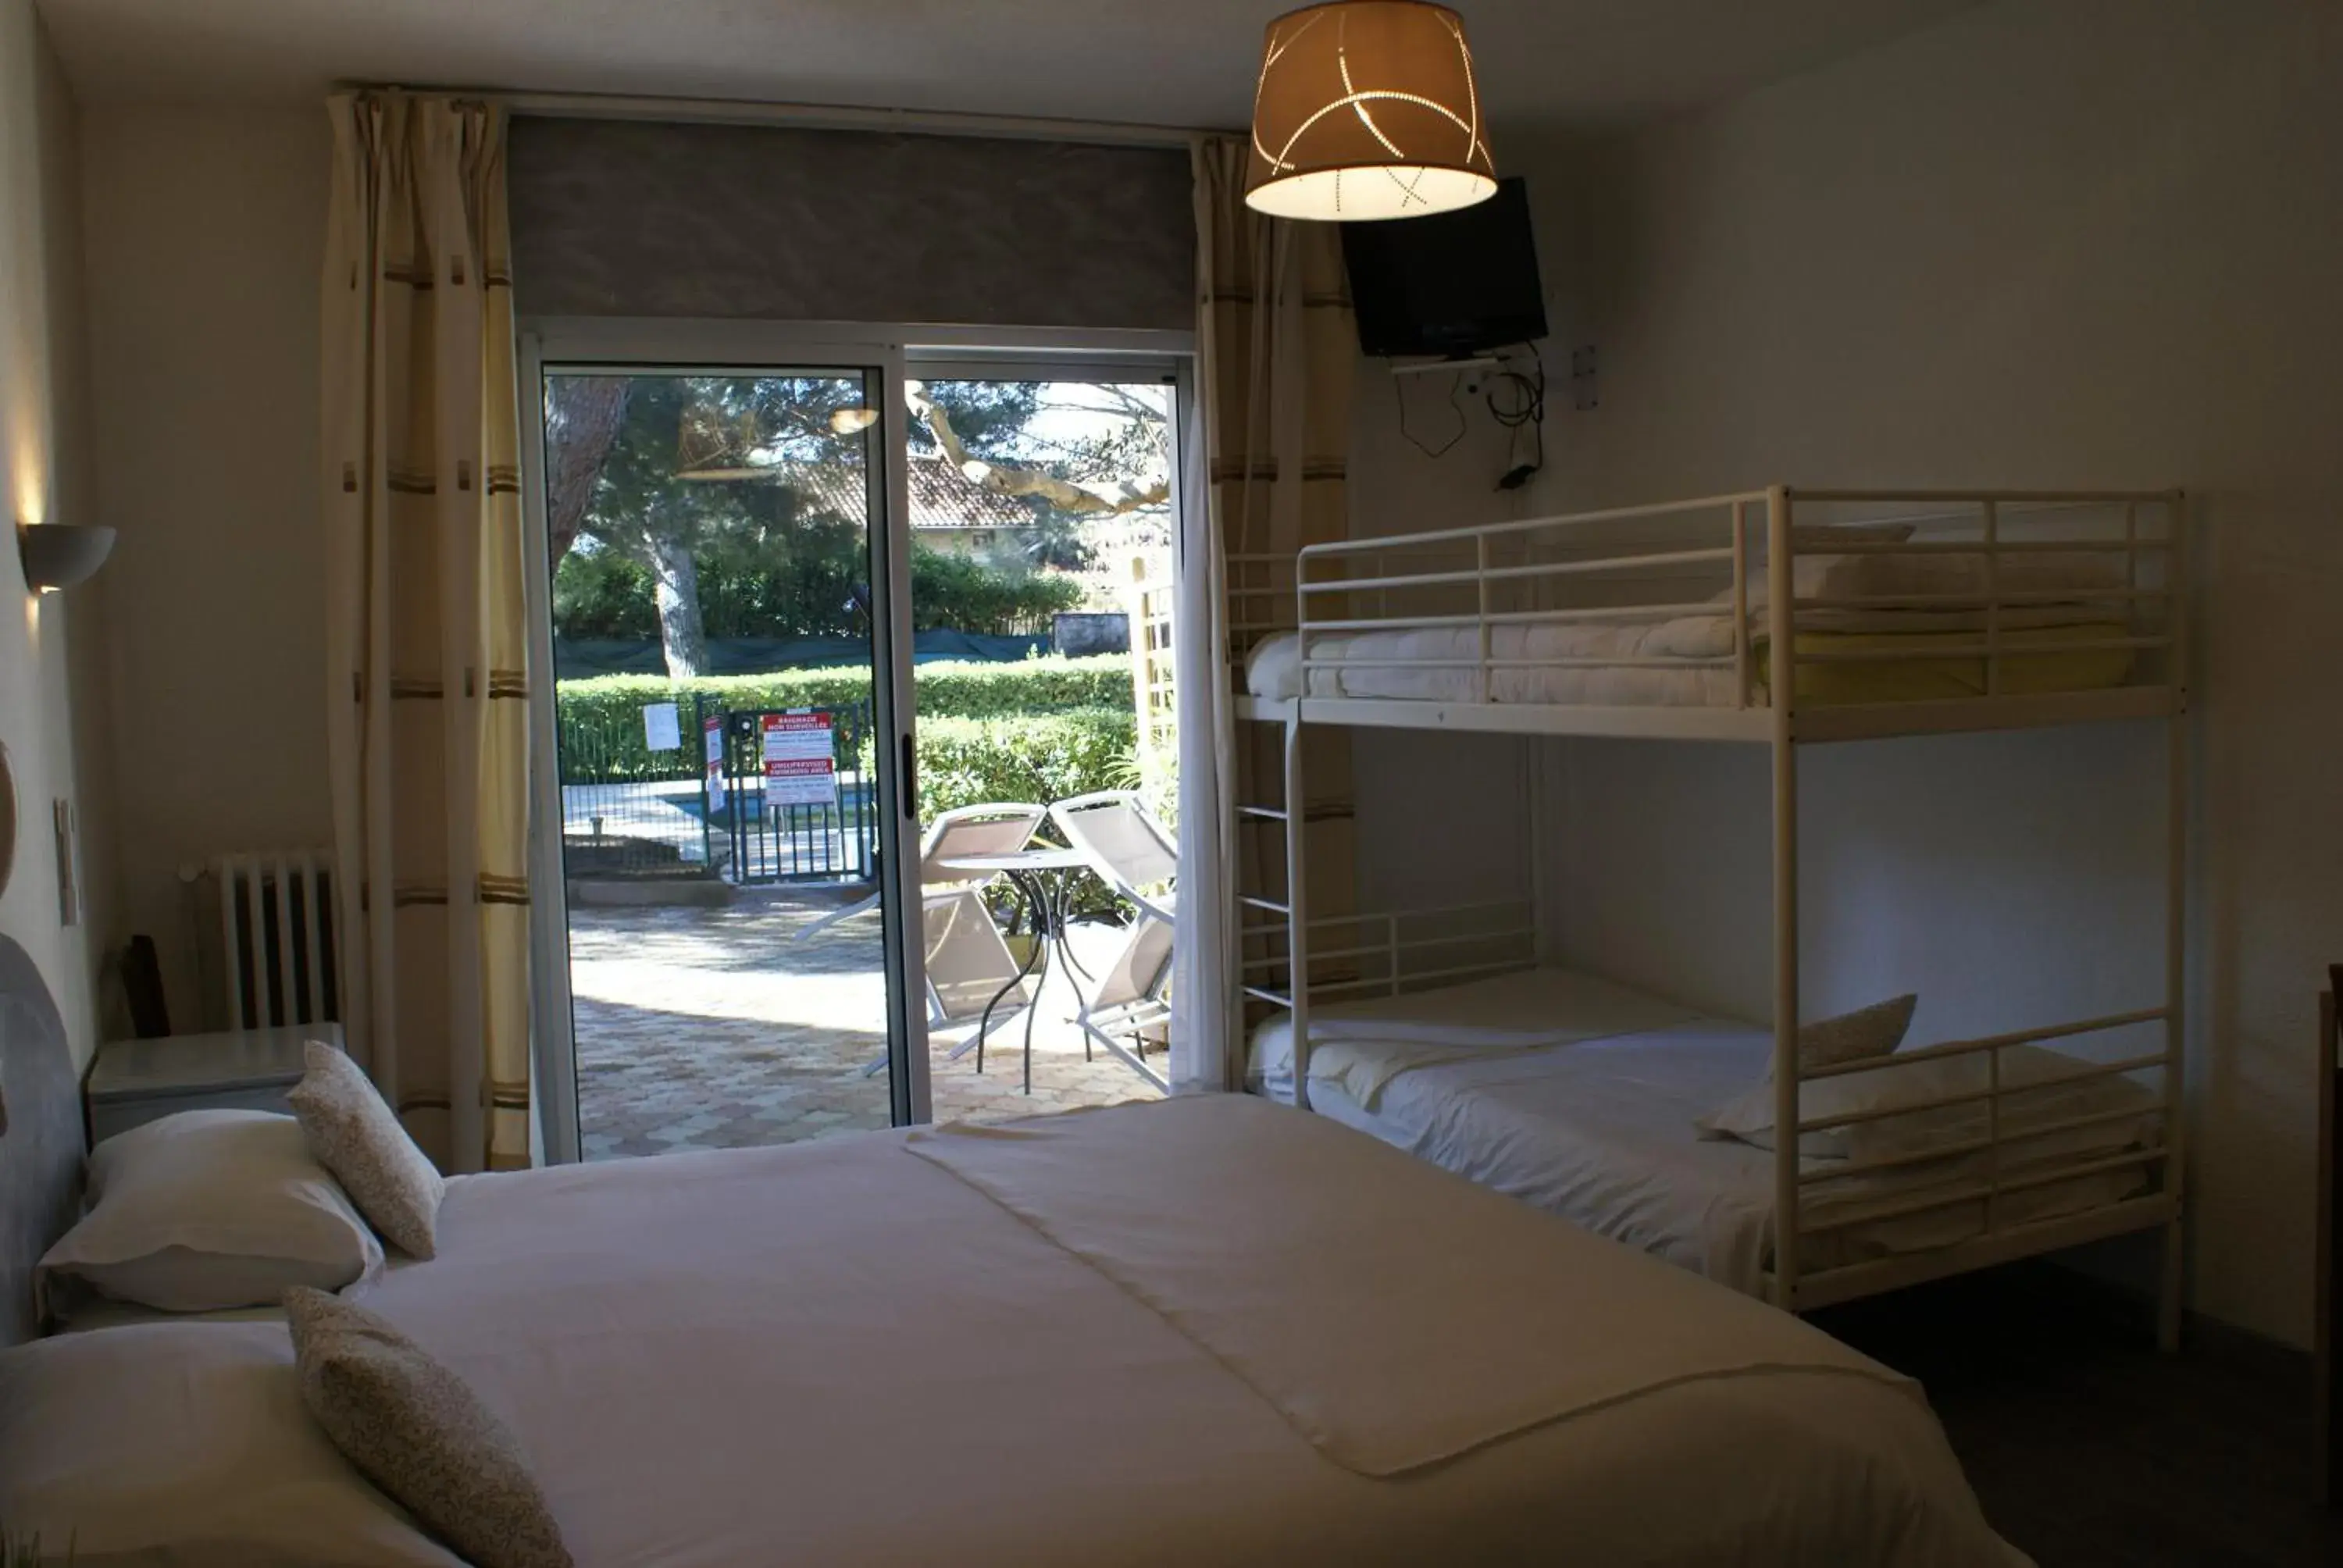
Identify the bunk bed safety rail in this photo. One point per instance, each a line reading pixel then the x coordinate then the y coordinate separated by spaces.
pixel 1913 595
pixel 1390 953
pixel 1986 1154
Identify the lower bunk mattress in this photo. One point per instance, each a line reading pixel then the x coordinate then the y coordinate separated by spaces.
pixel 1581 1098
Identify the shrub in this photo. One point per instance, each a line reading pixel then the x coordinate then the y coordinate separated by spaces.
pixel 959 593
pixel 1037 758
pixel 607 709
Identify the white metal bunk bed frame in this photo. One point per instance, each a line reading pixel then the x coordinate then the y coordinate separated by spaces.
pixel 1773 717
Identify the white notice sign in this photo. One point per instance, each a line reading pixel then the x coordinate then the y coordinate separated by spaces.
pixel 662 731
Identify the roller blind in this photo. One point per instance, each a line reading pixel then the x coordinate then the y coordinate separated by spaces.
pixel 616 217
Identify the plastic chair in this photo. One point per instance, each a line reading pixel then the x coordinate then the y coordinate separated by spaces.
pixel 968 962
pixel 1131 853
pixel 990 829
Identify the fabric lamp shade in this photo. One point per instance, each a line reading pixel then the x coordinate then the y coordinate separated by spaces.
pixel 1367 109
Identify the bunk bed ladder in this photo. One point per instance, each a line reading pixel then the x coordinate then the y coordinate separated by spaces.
pixel 1297 906
pixel 1780 608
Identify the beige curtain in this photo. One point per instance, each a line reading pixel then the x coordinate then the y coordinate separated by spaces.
pixel 1278 352
pixel 428 676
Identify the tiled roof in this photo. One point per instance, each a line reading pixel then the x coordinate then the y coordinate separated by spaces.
pixel 942 496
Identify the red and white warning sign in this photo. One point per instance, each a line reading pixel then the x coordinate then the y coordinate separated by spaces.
pixel 801 764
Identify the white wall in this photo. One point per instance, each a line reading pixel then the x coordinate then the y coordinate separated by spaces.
pixel 1425 842
pixel 52 677
pixel 2051 242
pixel 206 231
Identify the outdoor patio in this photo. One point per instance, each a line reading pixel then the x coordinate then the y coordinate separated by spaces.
pixel 711 1027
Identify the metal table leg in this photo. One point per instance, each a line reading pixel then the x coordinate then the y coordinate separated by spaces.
pixel 1026 896
pixel 1046 927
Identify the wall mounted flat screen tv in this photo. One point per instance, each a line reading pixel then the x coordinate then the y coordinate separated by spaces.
pixel 1452 284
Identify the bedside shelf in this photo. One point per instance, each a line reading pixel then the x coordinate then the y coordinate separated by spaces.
pixel 134 1081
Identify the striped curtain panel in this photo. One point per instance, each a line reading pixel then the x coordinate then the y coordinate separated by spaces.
pixel 427 634
pixel 1277 355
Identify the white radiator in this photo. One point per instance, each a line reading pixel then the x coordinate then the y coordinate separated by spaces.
pixel 271 913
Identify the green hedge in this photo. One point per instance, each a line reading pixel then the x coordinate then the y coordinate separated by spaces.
pixel 606 712
pixel 1039 758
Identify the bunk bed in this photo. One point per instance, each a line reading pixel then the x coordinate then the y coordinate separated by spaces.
pixel 1780 617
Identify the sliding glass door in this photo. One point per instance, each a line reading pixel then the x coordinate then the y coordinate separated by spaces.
pixel 724 755
pixel 1043 505
pixel 768 911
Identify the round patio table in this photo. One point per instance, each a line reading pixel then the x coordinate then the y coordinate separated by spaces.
pixel 1043 878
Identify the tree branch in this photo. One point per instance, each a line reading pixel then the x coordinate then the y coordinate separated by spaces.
pixel 1066 495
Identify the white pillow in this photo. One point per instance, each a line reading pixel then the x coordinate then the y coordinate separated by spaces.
pixel 1273 668
pixel 2048 1100
pixel 1874 1031
pixel 212 1208
pixel 1828 575
pixel 186 1446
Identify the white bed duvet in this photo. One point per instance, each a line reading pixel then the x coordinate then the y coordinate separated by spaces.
pixel 1596 1124
pixel 1687 659
pixel 1208 1330
pixel 847 1354
pixel 1360 1046
pixel 1439 664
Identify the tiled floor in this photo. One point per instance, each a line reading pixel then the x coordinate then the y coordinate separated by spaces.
pixel 713 1028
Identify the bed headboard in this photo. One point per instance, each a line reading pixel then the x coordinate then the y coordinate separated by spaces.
pixel 41 1145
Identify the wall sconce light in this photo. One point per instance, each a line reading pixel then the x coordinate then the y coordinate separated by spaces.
pixel 852 421
pixel 59 555
pixel 1367 109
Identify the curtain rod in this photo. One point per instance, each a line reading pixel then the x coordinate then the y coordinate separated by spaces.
pixel 819 117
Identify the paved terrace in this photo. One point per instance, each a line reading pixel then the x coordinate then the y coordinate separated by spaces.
pixel 712 1029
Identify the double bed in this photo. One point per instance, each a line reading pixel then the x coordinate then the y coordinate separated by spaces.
pixel 1209 1329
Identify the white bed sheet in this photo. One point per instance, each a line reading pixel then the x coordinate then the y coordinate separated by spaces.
pixel 1274 667
pixel 95 1311
pixel 841 1353
pixel 1363 1043
pixel 1439 664
pixel 1600 1132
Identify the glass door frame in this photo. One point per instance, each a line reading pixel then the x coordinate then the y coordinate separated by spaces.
pixel 627 347
pixel 638 344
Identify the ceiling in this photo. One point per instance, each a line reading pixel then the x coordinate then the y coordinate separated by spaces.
pixel 1159 61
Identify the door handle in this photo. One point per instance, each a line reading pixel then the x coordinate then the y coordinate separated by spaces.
pixel 908 782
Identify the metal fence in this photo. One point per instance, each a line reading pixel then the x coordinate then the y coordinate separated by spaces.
pixel 703 807
pixel 621 817
pixel 830 836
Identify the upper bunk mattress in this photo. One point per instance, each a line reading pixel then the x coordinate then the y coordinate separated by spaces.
pixel 1686 662
pixel 1847 605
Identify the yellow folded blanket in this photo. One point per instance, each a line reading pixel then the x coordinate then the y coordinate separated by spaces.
pixel 1907 679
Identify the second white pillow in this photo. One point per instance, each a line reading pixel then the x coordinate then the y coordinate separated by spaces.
pixel 209 1209
pixel 1858 1036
